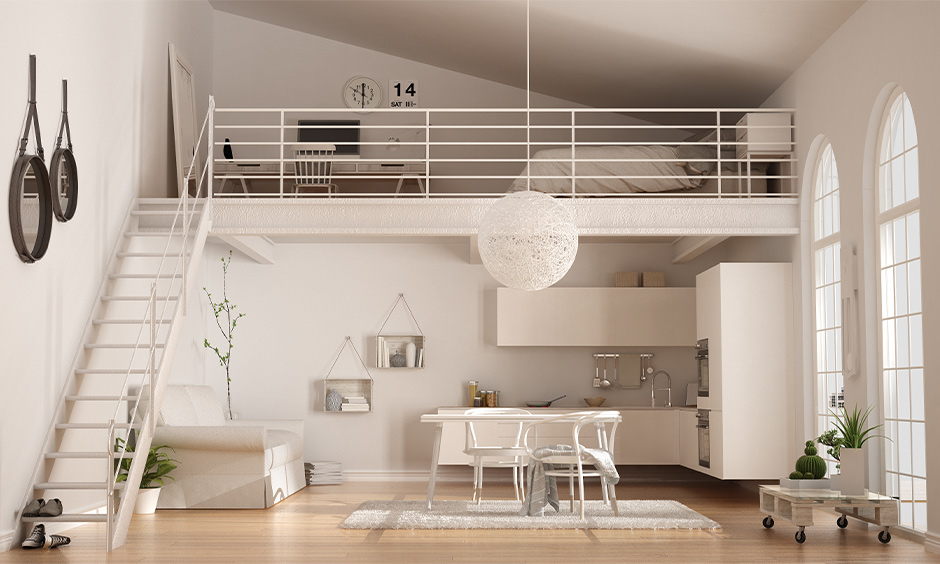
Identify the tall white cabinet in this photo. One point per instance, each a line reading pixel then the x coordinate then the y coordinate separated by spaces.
pixel 745 310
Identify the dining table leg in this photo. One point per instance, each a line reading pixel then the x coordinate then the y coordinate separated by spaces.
pixel 435 456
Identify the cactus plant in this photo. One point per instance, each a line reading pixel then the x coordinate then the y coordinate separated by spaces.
pixel 796 475
pixel 811 465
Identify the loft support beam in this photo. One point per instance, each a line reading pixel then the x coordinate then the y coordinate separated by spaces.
pixel 687 248
pixel 258 248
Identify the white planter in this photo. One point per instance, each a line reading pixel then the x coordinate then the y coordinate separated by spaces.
pixel 146 502
pixel 852 477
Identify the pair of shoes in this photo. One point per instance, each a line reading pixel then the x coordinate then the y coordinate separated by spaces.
pixel 51 508
pixel 33 507
pixel 37 538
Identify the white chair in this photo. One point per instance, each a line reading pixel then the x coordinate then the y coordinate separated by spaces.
pixel 494 456
pixel 569 463
pixel 313 167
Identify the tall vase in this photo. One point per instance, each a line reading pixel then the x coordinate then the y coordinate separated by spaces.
pixel 852 478
pixel 410 355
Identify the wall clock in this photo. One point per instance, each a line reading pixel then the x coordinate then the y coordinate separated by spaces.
pixel 363 93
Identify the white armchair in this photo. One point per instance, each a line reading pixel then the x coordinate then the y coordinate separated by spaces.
pixel 226 464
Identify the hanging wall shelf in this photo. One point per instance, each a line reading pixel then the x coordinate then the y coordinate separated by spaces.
pixel 399 351
pixel 347 395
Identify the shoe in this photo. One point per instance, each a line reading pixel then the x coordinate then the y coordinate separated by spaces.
pixel 56 541
pixel 51 508
pixel 37 538
pixel 33 507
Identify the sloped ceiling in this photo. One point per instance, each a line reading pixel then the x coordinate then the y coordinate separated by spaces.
pixel 601 53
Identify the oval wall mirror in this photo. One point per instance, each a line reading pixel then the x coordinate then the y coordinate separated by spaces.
pixel 30 202
pixel 30 208
pixel 63 174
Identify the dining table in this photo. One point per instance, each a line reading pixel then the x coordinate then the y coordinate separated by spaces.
pixel 482 417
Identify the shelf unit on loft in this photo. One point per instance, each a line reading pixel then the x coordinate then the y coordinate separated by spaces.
pixel 347 387
pixel 392 351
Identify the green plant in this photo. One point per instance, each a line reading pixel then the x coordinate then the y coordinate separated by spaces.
pixel 853 427
pixel 158 467
pixel 226 309
pixel 832 440
pixel 811 465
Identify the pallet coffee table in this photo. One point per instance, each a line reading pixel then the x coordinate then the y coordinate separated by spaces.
pixel 797 507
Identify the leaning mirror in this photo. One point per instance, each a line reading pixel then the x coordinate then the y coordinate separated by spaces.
pixel 63 174
pixel 30 204
pixel 183 99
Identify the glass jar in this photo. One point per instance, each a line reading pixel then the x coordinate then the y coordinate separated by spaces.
pixel 472 389
pixel 492 398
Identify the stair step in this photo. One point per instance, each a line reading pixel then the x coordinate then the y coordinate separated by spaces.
pixel 68 518
pixel 96 426
pixel 149 255
pixel 75 486
pixel 76 455
pixel 136 298
pixel 121 346
pixel 155 233
pixel 155 212
pixel 110 371
pixel 142 276
pixel 127 321
pixel 101 398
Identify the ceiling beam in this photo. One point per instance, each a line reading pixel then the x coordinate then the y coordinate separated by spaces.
pixel 687 248
pixel 257 248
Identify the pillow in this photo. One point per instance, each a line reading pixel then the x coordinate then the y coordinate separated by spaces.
pixel 699 159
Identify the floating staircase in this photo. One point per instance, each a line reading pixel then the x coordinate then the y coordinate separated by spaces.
pixel 125 353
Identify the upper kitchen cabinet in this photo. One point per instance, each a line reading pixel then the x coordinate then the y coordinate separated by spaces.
pixel 596 317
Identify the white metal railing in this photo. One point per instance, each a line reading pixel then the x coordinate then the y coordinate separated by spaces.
pixel 154 318
pixel 484 152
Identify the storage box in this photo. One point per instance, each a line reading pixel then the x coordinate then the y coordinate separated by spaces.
pixel 654 279
pixel 627 280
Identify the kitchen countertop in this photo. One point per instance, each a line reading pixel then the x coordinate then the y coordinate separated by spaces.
pixel 588 408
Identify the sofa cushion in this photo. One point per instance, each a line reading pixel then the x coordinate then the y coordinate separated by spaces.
pixel 281 447
pixel 191 406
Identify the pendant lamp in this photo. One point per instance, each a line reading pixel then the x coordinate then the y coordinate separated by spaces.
pixel 527 240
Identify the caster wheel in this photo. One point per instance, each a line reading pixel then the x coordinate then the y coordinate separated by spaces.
pixel 842 522
pixel 768 522
pixel 801 537
pixel 884 537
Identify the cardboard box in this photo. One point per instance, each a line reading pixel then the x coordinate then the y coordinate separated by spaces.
pixel 654 279
pixel 627 280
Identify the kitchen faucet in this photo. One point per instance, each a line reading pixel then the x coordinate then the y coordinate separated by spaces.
pixel 668 388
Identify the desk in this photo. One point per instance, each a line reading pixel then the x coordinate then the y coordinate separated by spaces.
pixel 350 169
pixel 440 418
pixel 797 507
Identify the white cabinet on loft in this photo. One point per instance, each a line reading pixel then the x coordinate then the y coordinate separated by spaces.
pixel 745 310
pixel 596 317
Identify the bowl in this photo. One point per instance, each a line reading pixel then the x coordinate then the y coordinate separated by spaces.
pixel 595 402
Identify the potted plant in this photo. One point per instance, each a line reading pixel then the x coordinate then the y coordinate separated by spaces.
pixel 158 467
pixel 854 432
pixel 227 321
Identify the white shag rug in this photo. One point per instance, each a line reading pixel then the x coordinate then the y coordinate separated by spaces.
pixel 502 514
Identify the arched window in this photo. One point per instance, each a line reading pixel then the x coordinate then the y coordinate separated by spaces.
pixel 827 300
pixel 901 328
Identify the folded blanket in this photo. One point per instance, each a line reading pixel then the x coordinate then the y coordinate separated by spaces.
pixel 543 490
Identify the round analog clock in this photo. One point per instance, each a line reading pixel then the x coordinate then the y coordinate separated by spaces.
pixel 362 92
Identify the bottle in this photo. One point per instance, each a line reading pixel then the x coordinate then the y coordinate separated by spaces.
pixel 472 388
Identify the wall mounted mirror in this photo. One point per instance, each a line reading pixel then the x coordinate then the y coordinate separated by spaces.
pixel 30 201
pixel 183 99
pixel 63 174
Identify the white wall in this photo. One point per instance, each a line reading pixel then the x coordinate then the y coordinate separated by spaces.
pixel 114 56
pixel 835 94
pixel 299 310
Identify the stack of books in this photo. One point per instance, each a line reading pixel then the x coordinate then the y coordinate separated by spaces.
pixel 323 473
pixel 355 403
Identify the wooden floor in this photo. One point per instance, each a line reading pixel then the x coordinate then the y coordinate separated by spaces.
pixel 305 528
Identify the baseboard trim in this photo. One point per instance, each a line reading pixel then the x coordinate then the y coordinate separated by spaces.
pixel 458 474
pixel 932 542
pixel 6 540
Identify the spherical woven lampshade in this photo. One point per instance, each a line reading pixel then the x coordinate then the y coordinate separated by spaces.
pixel 528 240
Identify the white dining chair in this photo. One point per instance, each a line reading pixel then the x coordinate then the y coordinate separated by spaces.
pixel 494 455
pixel 568 460
pixel 313 167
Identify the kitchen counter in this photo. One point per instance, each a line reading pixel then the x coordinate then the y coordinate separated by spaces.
pixel 562 409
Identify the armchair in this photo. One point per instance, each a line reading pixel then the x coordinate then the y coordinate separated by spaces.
pixel 226 464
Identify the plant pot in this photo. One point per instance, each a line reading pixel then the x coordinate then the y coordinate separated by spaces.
pixel 146 502
pixel 852 477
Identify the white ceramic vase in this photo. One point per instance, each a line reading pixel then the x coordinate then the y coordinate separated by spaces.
pixel 410 355
pixel 146 503
pixel 852 477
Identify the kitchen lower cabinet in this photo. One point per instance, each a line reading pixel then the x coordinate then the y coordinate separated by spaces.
pixel 645 436
pixel 688 440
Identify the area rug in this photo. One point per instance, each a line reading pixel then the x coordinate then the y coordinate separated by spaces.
pixel 501 514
